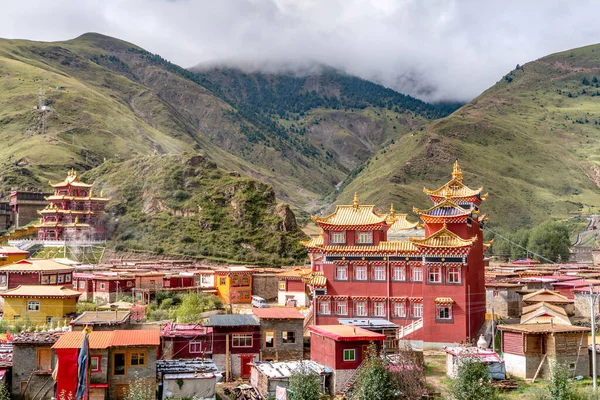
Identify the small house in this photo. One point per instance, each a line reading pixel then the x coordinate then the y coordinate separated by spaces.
pixel 543 313
pixel 454 355
pixel 581 297
pixel 39 303
pixel 549 297
pixel 234 285
pixel 9 255
pixel 187 379
pixel 504 298
pixel 292 287
pixel 31 375
pixel 236 343
pixel 281 329
pixel 342 348
pixel 267 376
pixel 102 320
pixel 35 272
pixel 184 341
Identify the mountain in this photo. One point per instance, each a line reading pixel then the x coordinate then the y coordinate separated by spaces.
pixel 532 140
pixel 111 100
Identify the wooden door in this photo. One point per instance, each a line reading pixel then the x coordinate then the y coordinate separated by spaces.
pixel 245 367
pixel 97 393
pixel 121 391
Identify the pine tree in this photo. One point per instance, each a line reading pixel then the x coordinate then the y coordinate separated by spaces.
pixel 305 384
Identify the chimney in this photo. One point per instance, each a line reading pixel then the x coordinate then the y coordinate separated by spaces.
pixel 354 331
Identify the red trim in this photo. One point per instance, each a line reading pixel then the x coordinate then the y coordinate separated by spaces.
pixel 99 363
pixel 98 385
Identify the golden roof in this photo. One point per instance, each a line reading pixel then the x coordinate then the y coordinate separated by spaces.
pixel 314 242
pixel 387 247
pixel 355 214
pixel 455 187
pixel 400 223
pixel 448 203
pixel 41 291
pixel 443 300
pixel 72 179
pixel 318 279
pixel 443 238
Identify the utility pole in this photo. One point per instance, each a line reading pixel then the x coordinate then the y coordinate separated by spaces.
pixel 593 298
pixel 493 333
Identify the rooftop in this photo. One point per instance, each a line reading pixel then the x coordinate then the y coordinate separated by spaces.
pixel 368 323
pixel 443 238
pixel 102 318
pixel 232 320
pixel 106 339
pixel 483 355
pixel 345 332
pixel 50 291
pixel 178 330
pixel 277 370
pixel 37 337
pixel 547 296
pixel 71 180
pixel 542 328
pixel 354 214
pixel 12 250
pixel 456 187
pixel 34 265
pixel 277 313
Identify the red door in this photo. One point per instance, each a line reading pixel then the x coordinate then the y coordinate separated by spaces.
pixel 245 360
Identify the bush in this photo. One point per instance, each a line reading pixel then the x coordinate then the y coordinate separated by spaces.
pixel 305 384
pixel 375 381
pixel 472 381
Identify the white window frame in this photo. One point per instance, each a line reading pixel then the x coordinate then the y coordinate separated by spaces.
pixel 417 310
pixel 282 285
pixel 81 284
pixel 341 307
pixel 378 273
pixel 341 272
pixel 454 271
pixel 364 237
pixel 417 274
pixel 33 306
pixel 360 305
pixel 399 309
pixel 195 346
pixel 434 272
pixel 350 352
pixel 102 286
pixel 324 307
pixel 399 273
pixel 337 237
pixel 67 278
pixel 444 317
pixel 360 272
pixel 379 309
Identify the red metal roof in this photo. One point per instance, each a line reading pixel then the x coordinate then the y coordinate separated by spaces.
pixel 106 339
pixel 277 313
pixel 345 332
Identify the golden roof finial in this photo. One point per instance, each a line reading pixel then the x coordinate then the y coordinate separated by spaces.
pixel 457 172
pixel 355 202
pixel 448 193
pixel 102 193
pixel 392 212
pixel 76 220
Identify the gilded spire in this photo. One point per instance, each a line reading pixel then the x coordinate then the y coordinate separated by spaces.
pixel 448 193
pixel 392 213
pixel 457 172
pixel 355 202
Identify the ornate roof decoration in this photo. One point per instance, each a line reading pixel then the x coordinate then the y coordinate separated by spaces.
pixel 401 223
pixel 455 188
pixel 314 242
pixel 446 208
pixel 71 180
pixel 355 214
pixel 382 247
pixel 443 238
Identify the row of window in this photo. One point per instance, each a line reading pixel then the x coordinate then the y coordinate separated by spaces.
pixel 236 280
pixel 378 273
pixel 270 339
pixel 53 279
pixel 361 308
pixel 101 285
pixel 359 237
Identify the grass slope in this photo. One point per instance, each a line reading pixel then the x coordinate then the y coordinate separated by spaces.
pixel 532 140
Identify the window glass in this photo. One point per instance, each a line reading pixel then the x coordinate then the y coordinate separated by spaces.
pixel 444 312
pixel 33 306
pixel 138 359
pixel 349 355
pixel 269 339
pixel 364 237
pixel 195 347
pixel 95 363
pixel 453 275
pixel 241 340
pixel 399 274
pixel 361 308
pixel 360 272
pixel 418 310
pixel 338 237
pixel 341 272
pixel 282 285
pixel 341 307
pixel 378 309
pixel 399 309
pixel 324 307
pixel 435 275
pixel 119 364
pixel 417 274
pixel 379 273
pixel 288 337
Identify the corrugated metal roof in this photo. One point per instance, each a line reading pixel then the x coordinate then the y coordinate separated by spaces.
pixel 37 265
pixel 372 323
pixel 277 370
pixel 345 332
pixel 106 339
pixel 277 313
pixel 41 291
pixel 232 320
pixel 136 338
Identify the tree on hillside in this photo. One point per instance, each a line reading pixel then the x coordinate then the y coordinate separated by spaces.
pixel 472 381
pixel 375 381
pixel 194 304
pixel 305 384
pixel 550 240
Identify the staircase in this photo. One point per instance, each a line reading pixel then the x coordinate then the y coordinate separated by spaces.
pixel 406 330
pixel 351 383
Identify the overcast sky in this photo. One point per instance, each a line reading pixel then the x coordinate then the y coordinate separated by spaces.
pixel 433 49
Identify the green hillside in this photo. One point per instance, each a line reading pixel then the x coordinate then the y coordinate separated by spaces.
pixel 531 140
pixel 187 205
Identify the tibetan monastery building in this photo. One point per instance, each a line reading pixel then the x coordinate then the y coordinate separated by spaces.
pixel 431 285
pixel 73 213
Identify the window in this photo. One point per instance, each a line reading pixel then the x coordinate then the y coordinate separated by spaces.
pixel 269 339
pixel 95 364
pixel 223 281
pixel 399 274
pixel 341 307
pixel 45 279
pixel 245 281
pixel 349 354
pixel 81 284
pixel 33 305
pixel 195 347
pixel 241 340
pixel 435 275
pixel 453 275
pixel 418 310
pixel 52 279
pixel 337 237
pixel 443 312
pixel 129 284
pixel 379 273
pixel 364 237
pixel 282 285
pixel 378 309
pixel 137 359
pixel 2 280
pixel 205 279
pixel 360 272
pixel 235 280
pixel 43 359
pixel 496 293
pixel 360 308
pixel 288 337
pixel 341 272
pixel 324 307
pixel 102 286
pixel 399 310
pixel 417 274
pixel 48 320
pixel 61 278
pixel 67 278
pixel 119 364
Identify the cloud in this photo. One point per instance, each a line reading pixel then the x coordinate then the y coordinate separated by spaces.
pixel 432 49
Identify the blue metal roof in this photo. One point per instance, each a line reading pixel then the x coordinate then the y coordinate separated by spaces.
pixel 232 320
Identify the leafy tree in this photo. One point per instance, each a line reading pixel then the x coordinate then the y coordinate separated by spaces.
pixel 585 81
pixel 139 389
pixel 305 384
pixel 551 240
pixel 559 383
pixel 194 304
pixel 472 381
pixel 521 237
pixel 375 381
pixel 594 79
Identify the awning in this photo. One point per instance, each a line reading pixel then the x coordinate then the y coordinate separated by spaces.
pixel 443 300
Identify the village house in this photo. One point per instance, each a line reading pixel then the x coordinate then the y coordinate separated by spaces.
pixel 103 287
pixel 504 298
pixel 455 355
pixel 234 285
pixel 342 348
pixel 236 342
pixel 548 297
pixel 146 284
pixel 31 375
pixel 281 329
pixel 566 287
pixel 265 283
pixel 102 320
pixel 184 341
pixel 117 358
pixel 187 379
pixel 292 288
pixel 39 304
pixel 432 286
pixel 25 206
pixel 581 298
pixel 9 255
pixel 268 376
pixel 35 272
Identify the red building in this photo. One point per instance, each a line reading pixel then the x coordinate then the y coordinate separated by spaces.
pixel 35 272
pixel 105 287
pixel 74 213
pixel 341 348
pixel 185 341
pixel 432 286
